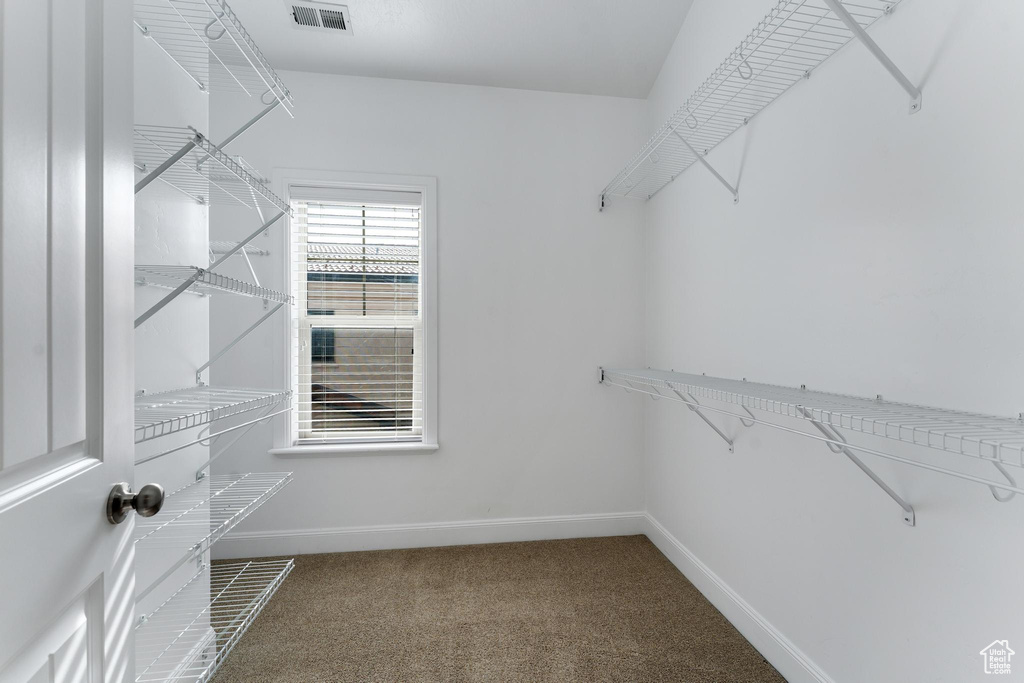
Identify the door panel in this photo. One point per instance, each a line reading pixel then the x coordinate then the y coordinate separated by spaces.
pixel 23 258
pixel 67 225
pixel 67 651
pixel 66 204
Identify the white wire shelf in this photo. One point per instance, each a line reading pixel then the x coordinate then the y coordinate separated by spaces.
pixel 998 440
pixel 199 514
pixel 206 39
pixel 794 38
pixel 184 159
pixel 188 637
pixel 168 412
pixel 205 281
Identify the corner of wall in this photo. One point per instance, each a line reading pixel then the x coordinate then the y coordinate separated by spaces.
pixel 773 645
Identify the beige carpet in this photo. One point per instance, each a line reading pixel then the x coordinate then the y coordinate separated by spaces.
pixel 601 609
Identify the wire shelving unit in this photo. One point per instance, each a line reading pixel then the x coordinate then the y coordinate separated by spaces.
pixel 996 440
pixel 188 637
pixel 187 161
pixel 793 39
pixel 208 42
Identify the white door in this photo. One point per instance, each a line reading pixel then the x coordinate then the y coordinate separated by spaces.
pixel 66 242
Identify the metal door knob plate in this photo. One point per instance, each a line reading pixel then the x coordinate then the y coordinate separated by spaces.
pixel 147 502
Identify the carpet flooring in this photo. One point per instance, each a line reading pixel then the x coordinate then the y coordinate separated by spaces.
pixel 598 609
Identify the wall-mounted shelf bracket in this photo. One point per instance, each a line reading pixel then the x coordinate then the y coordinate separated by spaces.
pixel 835 443
pixel 241 245
pixel 249 124
pixel 711 169
pixel 694 405
pixel 231 344
pixel 169 298
pixel 171 161
pixel 858 31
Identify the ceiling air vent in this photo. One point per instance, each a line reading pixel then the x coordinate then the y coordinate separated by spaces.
pixel 320 16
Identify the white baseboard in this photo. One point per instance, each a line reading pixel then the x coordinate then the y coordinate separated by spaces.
pixel 347 539
pixel 790 661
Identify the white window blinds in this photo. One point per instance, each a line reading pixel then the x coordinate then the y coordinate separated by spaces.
pixel 357 257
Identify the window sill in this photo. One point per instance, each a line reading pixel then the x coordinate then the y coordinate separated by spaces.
pixel 329 450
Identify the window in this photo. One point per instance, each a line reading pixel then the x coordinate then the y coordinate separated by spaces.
pixel 360 361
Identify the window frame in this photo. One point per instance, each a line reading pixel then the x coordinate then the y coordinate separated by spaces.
pixel 285 436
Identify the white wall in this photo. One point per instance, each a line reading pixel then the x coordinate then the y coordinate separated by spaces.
pixel 871 252
pixel 536 288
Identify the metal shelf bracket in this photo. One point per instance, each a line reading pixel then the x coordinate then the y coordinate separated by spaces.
pixel 858 31
pixel 171 161
pixel 700 157
pixel 834 443
pixel 694 405
pixel 169 298
pixel 241 245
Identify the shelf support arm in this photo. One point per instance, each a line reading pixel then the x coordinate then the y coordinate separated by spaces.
pixel 169 298
pixel 836 447
pixel 694 405
pixel 249 124
pixel 252 271
pixel 857 30
pixel 702 160
pixel 217 356
pixel 241 245
pixel 171 161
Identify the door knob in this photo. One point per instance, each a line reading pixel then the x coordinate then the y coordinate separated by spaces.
pixel 147 502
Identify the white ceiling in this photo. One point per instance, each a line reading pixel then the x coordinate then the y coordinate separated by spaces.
pixel 597 47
